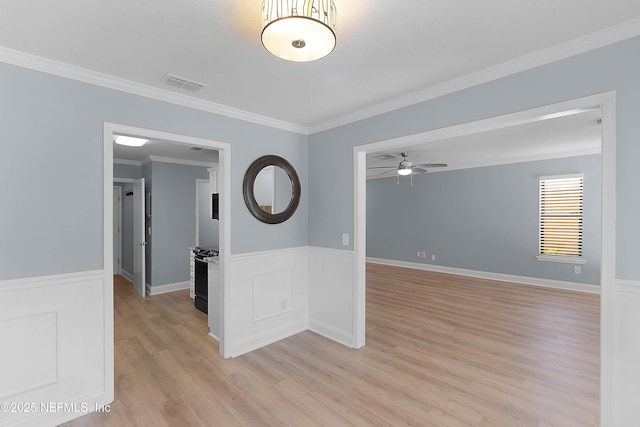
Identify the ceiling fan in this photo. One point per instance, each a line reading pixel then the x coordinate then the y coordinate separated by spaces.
pixel 407 168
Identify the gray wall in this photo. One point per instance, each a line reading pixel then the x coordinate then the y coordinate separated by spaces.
pixel 173 217
pixel 208 228
pixel 55 126
pixel 172 221
pixel 483 219
pixel 126 171
pixel 615 67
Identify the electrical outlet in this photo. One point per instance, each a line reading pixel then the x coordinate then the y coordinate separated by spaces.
pixel 423 255
pixel 418 254
pixel 577 269
pixel 433 257
pixel 345 239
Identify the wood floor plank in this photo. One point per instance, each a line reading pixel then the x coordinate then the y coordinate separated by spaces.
pixel 441 350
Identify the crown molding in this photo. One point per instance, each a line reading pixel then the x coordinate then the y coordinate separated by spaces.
pixel 576 46
pixel 579 45
pixel 61 69
pixel 127 162
pixel 161 159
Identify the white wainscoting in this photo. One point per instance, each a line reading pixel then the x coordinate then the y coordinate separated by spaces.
pixel 558 284
pixel 52 354
pixel 626 351
pixel 267 298
pixel 331 294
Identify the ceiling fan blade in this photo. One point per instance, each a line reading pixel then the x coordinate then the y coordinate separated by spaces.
pixel 382 167
pixel 432 165
pixel 390 170
pixel 418 170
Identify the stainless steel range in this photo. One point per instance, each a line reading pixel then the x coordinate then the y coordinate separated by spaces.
pixel 202 256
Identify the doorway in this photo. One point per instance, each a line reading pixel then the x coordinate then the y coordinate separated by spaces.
pixel 117 229
pixel 224 185
pixel 132 263
pixel 606 102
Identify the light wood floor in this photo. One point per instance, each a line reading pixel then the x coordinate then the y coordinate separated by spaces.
pixel 441 350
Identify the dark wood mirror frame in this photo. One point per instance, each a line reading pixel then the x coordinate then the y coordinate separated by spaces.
pixel 249 196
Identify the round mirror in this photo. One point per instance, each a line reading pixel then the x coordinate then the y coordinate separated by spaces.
pixel 271 189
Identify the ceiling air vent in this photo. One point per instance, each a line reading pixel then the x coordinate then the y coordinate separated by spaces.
pixel 182 83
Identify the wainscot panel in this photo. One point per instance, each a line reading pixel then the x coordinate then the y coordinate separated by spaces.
pixel 267 298
pixel 331 294
pixel 627 349
pixel 52 359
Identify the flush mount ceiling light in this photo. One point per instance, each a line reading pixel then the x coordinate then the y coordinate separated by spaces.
pixel 299 30
pixel 130 141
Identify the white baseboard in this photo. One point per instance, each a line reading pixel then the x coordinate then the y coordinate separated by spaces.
pixel 257 341
pixel 169 287
pixel 124 273
pixel 534 281
pixel 331 333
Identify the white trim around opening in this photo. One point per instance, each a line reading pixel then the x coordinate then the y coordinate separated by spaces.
pixel 224 183
pixel 605 101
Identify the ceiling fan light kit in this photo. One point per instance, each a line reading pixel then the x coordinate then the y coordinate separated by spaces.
pixel 405 167
pixel 404 170
pixel 299 30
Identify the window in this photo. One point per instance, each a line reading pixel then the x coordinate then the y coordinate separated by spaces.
pixel 561 202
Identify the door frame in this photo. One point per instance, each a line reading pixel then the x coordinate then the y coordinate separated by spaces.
pixel 224 182
pixel 128 274
pixel 607 103
pixel 131 275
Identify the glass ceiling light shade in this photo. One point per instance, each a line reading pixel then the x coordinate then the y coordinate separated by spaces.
pixel 130 141
pixel 404 170
pixel 299 30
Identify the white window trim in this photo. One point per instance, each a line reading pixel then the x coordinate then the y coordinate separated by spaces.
pixel 560 258
pixel 563 176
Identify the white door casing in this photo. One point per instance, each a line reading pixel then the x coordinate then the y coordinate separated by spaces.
pixel 224 189
pixel 606 101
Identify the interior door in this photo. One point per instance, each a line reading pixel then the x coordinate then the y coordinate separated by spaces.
pixel 139 237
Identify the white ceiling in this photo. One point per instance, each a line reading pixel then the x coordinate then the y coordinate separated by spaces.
pixel 388 54
pixel 161 150
pixel 570 135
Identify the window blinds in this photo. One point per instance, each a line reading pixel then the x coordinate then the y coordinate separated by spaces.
pixel 561 204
